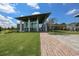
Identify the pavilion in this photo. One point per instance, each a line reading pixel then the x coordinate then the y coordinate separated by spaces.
pixel 33 23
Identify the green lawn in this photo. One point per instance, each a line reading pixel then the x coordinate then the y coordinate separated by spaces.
pixel 20 44
pixel 63 32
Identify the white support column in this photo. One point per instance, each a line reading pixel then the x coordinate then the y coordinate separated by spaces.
pixel 29 24
pixel 37 25
pixel 46 27
pixel 24 26
pixel 20 26
pixel 45 24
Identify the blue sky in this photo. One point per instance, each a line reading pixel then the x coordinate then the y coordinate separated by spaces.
pixel 61 12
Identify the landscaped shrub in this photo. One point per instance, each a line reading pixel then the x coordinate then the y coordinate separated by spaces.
pixel 6 31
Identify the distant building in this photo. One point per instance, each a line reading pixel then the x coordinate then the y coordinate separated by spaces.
pixel 72 27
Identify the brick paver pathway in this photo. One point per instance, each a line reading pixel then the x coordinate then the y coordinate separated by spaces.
pixel 51 46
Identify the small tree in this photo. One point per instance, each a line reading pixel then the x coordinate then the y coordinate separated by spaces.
pixel 77 24
pixel 0 28
pixel 63 23
pixel 12 28
pixel 50 23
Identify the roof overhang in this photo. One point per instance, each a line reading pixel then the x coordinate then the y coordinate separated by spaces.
pixel 77 15
pixel 40 17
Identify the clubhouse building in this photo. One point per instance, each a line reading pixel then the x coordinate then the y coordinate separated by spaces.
pixel 33 23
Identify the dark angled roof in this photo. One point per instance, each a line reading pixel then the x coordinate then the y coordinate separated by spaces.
pixel 77 16
pixel 41 17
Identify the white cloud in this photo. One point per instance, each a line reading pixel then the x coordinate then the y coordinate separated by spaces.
pixel 7 8
pixel 64 4
pixel 72 12
pixel 35 13
pixel 9 17
pixel 14 4
pixel 18 21
pixel 22 15
pixel 6 21
pixel 33 5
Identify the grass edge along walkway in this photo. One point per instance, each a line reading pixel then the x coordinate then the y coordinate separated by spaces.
pixel 63 32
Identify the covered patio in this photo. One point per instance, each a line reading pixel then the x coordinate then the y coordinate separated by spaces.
pixel 33 23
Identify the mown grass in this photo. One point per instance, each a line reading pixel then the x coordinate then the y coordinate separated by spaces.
pixel 20 44
pixel 63 32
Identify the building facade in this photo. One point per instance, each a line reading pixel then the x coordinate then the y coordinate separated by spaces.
pixel 33 23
